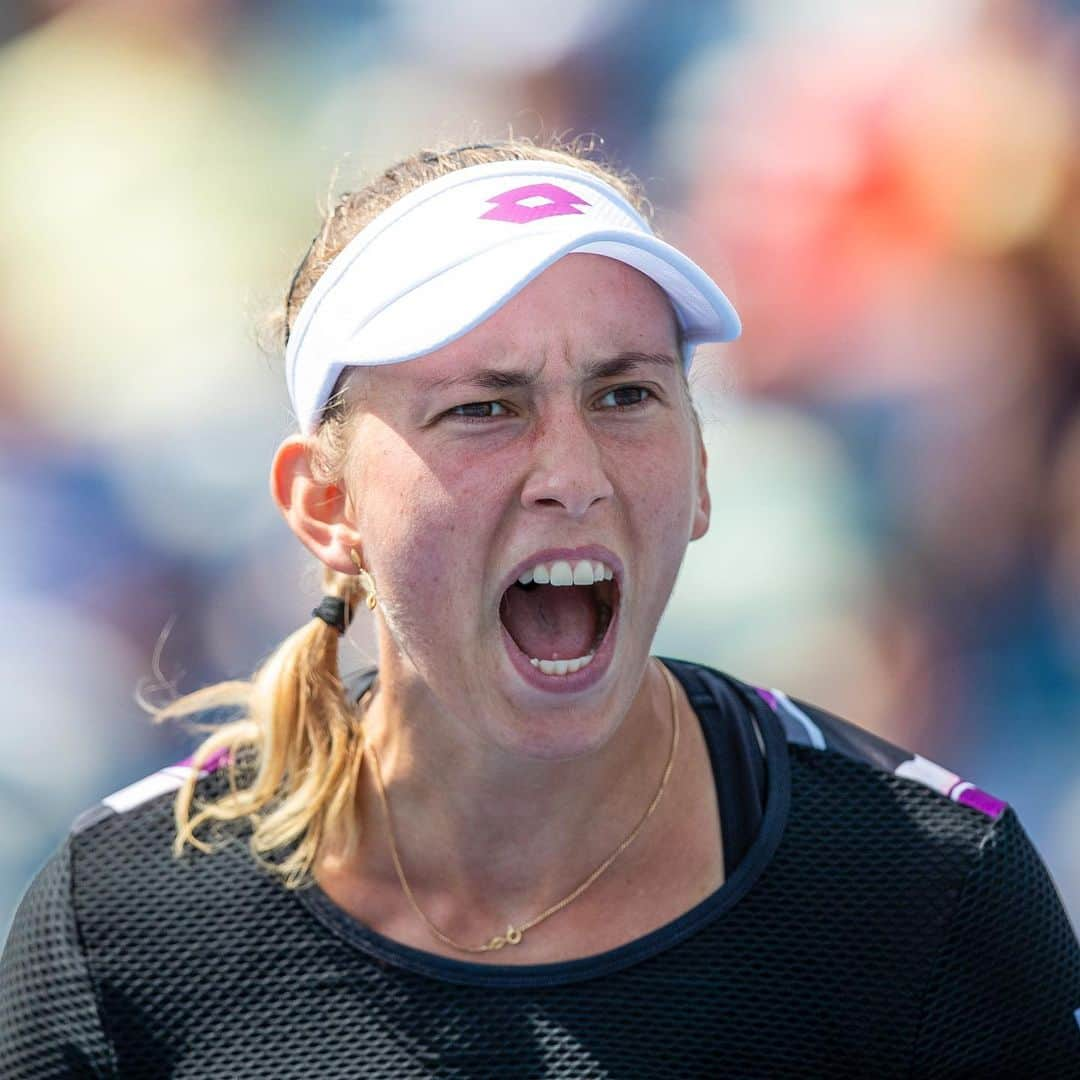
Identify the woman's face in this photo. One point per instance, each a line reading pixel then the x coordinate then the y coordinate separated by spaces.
pixel 556 435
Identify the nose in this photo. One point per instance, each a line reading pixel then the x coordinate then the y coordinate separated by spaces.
pixel 567 468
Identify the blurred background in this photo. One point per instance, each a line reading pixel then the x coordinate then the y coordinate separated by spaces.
pixel 890 192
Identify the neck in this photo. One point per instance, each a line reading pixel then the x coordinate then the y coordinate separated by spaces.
pixel 500 835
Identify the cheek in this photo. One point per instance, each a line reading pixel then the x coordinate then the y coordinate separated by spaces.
pixel 428 540
pixel 662 495
pixel 663 489
pixel 413 547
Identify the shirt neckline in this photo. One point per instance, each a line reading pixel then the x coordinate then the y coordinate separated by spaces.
pixel 734 887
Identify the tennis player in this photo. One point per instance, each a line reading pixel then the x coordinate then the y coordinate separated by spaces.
pixel 523 846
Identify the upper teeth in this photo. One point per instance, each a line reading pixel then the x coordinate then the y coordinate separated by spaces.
pixel 561 572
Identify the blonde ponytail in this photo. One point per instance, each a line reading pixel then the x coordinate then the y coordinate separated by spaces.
pixel 292 761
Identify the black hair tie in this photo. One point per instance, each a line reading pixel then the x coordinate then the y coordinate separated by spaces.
pixel 332 610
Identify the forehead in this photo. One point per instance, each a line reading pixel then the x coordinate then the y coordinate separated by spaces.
pixel 580 309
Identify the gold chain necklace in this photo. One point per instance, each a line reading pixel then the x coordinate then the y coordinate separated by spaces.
pixel 514 934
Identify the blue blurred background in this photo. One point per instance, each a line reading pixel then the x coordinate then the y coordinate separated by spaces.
pixel 890 192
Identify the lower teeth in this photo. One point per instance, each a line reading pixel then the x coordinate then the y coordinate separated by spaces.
pixel 561 667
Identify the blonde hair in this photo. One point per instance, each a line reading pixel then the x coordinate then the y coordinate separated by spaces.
pixel 293 758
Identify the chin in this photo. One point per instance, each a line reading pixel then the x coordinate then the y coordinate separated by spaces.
pixel 568 730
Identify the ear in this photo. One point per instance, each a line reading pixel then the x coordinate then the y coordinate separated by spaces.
pixel 702 504
pixel 317 513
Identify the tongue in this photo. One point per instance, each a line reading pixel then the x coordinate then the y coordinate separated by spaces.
pixel 550 623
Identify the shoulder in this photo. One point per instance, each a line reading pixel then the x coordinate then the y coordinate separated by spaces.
pixel 141 906
pixel 810 726
pixel 812 731
pixel 862 792
pixel 93 901
pixel 121 849
pixel 144 797
pixel 912 860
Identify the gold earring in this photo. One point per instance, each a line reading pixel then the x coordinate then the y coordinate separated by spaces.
pixel 367 582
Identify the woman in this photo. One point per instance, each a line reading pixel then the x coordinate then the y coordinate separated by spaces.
pixel 524 847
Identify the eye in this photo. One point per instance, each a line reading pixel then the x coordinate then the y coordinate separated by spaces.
pixel 625 397
pixel 479 410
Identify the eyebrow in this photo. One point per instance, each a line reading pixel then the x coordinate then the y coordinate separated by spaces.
pixel 503 379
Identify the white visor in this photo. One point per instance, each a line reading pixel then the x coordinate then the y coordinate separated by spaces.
pixel 447 256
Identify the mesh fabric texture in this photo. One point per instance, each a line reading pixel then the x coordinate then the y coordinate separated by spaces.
pixel 874 928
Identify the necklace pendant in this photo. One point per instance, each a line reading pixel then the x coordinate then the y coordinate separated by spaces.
pixel 511 937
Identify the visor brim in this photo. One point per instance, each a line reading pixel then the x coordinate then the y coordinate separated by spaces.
pixel 450 303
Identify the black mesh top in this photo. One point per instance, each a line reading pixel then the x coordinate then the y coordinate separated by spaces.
pixel 880 917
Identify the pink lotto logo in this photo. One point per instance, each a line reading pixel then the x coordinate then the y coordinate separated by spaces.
pixel 532 202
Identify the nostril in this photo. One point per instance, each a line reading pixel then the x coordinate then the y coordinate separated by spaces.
pixel 573 481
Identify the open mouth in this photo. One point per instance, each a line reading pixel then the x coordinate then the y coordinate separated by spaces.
pixel 558 614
